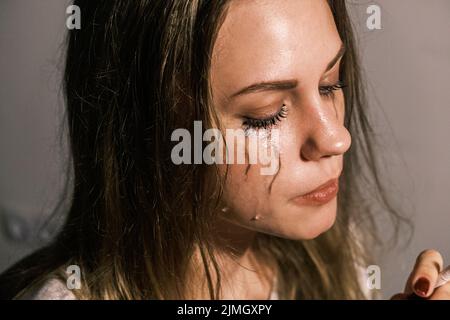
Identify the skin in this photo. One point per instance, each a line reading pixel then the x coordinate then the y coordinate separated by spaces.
pixel 257 43
pixel 295 41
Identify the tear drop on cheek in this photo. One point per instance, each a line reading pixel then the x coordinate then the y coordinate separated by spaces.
pixel 255 218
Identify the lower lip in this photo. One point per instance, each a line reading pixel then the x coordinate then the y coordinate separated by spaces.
pixel 320 196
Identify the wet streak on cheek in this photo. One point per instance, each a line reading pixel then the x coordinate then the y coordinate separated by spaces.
pixel 279 161
pixel 276 175
pixel 247 169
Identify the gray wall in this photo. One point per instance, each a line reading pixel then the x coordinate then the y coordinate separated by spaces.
pixel 31 155
pixel 407 64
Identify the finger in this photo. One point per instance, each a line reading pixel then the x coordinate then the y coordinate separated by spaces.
pixel 441 293
pixel 425 273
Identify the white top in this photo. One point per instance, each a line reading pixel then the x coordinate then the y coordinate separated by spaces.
pixel 52 289
pixel 55 289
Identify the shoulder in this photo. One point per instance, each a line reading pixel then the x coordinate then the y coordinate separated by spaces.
pixel 50 289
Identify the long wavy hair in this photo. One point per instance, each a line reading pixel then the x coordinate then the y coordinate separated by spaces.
pixel 135 71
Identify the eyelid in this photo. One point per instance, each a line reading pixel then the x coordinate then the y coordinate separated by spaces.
pixel 267 121
pixel 261 115
pixel 261 109
pixel 328 90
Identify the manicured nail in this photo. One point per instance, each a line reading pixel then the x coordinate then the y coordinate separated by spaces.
pixel 421 287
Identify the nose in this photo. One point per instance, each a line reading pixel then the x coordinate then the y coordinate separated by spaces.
pixel 326 136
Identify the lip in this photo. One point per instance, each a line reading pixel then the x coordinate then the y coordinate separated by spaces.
pixel 321 195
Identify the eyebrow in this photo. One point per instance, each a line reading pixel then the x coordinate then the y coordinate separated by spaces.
pixel 284 84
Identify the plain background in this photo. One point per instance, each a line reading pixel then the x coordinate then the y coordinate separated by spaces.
pixel 407 64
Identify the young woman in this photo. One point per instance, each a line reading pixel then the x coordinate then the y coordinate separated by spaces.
pixel 142 226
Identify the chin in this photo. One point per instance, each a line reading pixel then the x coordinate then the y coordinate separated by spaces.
pixel 313 224
pixel 316 231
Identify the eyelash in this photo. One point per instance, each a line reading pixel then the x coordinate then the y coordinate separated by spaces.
pixel 328 91
pixel 252 123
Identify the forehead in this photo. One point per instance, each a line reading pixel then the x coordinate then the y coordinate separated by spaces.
pixel 263 40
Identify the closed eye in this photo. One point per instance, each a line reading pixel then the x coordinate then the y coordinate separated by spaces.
pixel 265 123
pixel 328 91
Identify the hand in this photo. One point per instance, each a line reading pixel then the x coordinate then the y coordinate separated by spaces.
pixel 423 278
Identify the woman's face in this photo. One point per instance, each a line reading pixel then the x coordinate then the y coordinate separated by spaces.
pixel 293 47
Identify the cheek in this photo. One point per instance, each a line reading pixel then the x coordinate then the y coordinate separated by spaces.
pixel 249 193
pixel 246 192
pixel 252 206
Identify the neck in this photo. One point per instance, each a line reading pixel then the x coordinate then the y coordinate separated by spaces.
pixel 242 274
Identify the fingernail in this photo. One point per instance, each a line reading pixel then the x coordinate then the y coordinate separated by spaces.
pixel 421 287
